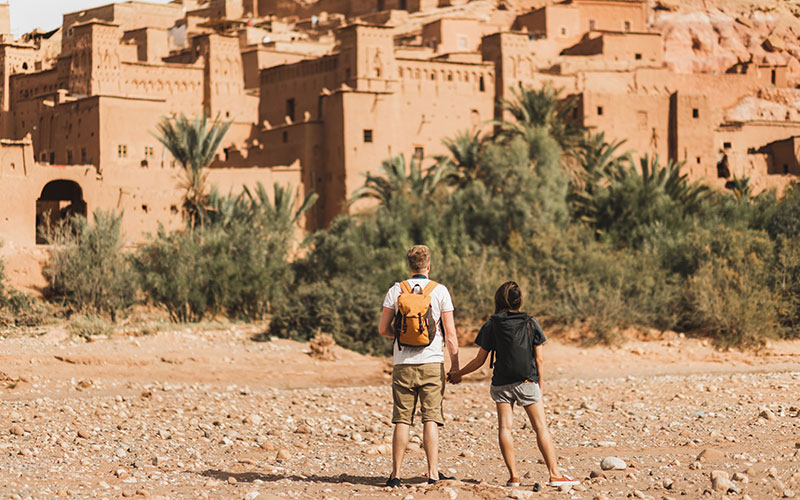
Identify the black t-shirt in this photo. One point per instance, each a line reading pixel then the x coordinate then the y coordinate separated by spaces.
pixel 511 367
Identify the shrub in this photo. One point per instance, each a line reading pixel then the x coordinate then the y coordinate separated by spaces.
pixel 87 270
pixel 87 326
pixel 18 309
pixel 344 308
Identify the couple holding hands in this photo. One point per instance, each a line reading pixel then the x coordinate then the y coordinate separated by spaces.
pixel 418 316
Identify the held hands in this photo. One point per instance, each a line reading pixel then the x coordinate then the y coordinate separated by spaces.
pixel 454 377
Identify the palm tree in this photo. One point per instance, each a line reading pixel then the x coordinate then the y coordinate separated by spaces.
pixel 464 160
pixel 401 180
pixel 740 187
pixel 193 143
pixel 533 108
pixel 630 195
pixel 255 207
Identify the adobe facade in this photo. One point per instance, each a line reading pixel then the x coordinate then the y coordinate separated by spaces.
pixel 319 93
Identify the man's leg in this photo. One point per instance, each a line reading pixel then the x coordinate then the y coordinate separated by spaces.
pixel 430 440
pixel 431 394
pixel 399 444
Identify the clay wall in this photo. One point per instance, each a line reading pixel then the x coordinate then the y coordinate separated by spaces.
pixel 641 120
pixel 366 55
pixel 151 44
pixel 146 197
pixel 14 59
pixel 609 47
pixel 691 135
pixel 448 35
pixel 256 59
pixel 128 16
pixel 612 15
pixel 554 22
pixel 223 92
pixel 5 19
pixel 300 84
pixel 774 141
pixel 181 87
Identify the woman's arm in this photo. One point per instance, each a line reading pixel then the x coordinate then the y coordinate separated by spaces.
pixel 477 362
pixel 538 354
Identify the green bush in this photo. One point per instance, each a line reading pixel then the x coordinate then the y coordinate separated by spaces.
pixel 344 308
pixel 87 326
pixel 87 269
pixel 18 309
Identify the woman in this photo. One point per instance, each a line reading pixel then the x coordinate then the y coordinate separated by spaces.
pixel 515 340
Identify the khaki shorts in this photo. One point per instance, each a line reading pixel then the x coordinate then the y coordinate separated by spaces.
pixel 418 382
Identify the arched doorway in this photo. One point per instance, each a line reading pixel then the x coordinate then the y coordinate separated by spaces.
pixel 59 200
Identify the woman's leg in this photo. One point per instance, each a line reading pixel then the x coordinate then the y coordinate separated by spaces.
pixel 505 420
pixel 543 437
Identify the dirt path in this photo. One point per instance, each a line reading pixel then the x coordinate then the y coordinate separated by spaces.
pixel 212 414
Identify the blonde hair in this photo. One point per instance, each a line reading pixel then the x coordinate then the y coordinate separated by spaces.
pixel 419 257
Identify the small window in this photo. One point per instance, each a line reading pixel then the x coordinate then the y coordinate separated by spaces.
pixel 638 56
pixel 122 151
pixel 290 108
pixel 148 151
pixel 419 153
pixel 52 158
pixel 591 24
pixel 695 113
pixel 462 43
pixel 44 157
pixel 698 160
pixel 726 145
pixel 145 208
pixel 785 169
pixel 599 110
pixel 69 157
pixel 481 85
pixel 367 135
pixel 773 77
pixel 83 156
pixel 285 136
pixel 25 66
pixel 563 31
pixel 627 25
pixel 227 114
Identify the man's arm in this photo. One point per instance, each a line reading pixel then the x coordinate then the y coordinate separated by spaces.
pixel 450 338
pixel 385 326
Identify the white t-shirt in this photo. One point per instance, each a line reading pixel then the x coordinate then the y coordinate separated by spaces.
pixel 440 302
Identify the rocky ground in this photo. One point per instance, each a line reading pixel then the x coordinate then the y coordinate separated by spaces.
pixel 213 414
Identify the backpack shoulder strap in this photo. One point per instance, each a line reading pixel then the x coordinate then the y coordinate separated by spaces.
pixel 405 287
pixel 429 287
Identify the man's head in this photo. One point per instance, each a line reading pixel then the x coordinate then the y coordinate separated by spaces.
pixel 419 259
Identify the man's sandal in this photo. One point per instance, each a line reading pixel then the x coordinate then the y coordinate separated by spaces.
pixel 513 482
pixel 442 477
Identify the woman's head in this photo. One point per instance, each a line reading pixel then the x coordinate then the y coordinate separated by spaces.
pixel 508 297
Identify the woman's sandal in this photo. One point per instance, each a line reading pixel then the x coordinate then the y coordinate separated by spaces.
pixel 564 480
pixel 513 482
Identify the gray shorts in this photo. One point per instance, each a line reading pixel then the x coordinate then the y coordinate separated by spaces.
pixel 523 393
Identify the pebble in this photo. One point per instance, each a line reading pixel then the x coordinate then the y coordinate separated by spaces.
pixel 17 430
pixel 613 463
pixel 252 495
pixel 253 419
pixel 83 433
pixel 710 454
pixel 766 414
pixel 283 454
pixel 231 480
pixel 303 429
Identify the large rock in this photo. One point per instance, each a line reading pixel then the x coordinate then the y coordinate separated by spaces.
pixel 774 43
pixel 720 481
pixel 670 5
pixel 613 463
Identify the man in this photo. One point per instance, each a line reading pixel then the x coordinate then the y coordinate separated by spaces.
pixel 418 373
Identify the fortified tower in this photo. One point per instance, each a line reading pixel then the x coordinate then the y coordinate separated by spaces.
pixel 223 87
pixel 95 63
pixel 366 57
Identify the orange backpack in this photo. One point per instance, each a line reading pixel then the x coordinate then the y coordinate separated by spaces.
pixel 413 324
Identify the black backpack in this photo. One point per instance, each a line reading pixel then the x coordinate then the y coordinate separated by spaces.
pixel 517 347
